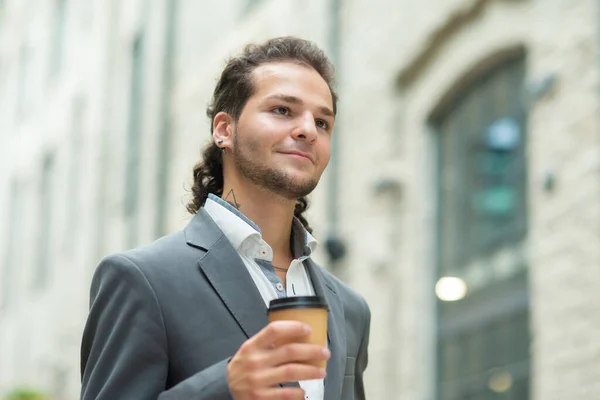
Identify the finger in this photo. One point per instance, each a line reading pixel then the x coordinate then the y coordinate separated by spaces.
pixel 289 373
pixel 281 331
pixel 279 393
pixel 297 352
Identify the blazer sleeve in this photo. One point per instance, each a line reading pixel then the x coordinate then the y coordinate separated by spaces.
pixel 124 348
pixel 363 357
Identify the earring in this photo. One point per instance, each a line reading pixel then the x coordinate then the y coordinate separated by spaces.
pixel 219 142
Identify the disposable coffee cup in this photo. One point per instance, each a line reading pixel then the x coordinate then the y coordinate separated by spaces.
pixel 311 310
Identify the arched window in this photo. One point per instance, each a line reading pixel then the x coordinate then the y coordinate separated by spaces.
pixel 483 338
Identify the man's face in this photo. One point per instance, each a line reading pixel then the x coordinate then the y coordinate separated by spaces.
pixel 283 136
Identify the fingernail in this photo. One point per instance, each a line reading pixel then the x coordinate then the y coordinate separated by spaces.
pixel 323 372
pixel 326 353
pixel 307 329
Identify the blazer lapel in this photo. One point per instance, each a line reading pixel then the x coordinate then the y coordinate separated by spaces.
pixel 226 272
pixel 336 335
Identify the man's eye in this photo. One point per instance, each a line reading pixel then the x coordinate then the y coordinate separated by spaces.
pixel 282 110
pixel 322 124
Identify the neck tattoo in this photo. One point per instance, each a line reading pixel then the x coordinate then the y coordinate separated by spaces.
pixel 232 200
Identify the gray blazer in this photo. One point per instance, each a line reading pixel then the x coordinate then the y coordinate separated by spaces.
pixel 166 318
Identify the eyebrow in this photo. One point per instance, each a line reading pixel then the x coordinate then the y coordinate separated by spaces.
pixel 295 100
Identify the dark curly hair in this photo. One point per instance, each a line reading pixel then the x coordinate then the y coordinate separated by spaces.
pixel 231 94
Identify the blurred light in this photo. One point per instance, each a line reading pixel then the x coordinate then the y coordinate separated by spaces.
pixel 504 134
pixel 450 289
pixel 500 382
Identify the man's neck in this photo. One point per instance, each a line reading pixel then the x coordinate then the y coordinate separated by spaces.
pixel 273 214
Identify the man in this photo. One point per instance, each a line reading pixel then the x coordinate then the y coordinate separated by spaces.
pixel 185 317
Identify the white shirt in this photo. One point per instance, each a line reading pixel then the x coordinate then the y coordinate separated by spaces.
pixel 257 256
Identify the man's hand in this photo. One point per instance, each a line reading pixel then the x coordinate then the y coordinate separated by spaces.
pixel 273 356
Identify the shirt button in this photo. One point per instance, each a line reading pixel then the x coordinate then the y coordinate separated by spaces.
pixel 279 286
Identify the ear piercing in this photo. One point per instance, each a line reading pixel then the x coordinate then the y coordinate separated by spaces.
pixel 219 142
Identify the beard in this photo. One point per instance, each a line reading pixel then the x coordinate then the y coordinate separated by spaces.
pixel 247 162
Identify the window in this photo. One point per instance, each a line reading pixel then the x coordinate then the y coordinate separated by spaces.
pixel 46 204
pixel 134 141
pixel 250 5
pixel 59 36
pixel 24 82
pixel 3 90
pixel 73 195
pixel 483 339
pixel 164 148
pixel 13 236
pixel 2 11
pixel 482 151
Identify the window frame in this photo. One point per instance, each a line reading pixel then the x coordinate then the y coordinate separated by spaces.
pixel 501 301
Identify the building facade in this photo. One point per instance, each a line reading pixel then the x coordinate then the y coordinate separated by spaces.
pixel 467 146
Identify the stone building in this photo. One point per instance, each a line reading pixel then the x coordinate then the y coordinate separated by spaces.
pixel 467 145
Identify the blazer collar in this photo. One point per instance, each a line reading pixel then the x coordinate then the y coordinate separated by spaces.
pixel 202 231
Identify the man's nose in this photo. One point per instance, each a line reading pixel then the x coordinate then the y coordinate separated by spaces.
pixel 306 128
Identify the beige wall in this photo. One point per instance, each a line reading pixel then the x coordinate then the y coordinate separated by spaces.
pixel 566 223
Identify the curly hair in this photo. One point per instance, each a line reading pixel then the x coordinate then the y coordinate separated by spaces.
pixel 234 88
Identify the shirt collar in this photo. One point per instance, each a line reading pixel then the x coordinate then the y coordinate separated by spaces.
pixel 303 243
pixel 237 227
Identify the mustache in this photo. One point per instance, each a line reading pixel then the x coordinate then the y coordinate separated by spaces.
pixel 303 150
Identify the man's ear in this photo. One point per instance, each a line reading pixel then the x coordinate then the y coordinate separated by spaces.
pixel 223 128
